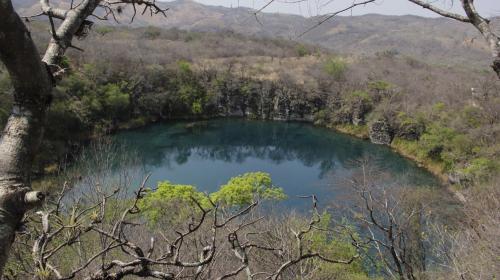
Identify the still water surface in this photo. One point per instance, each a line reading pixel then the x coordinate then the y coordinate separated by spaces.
pixel 301 158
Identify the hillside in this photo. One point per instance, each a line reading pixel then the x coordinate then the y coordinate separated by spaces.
pixel 431 40
pixel 395 83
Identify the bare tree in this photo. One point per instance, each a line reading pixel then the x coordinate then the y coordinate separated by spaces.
pixel 392 222
pixel 470 250
pixel 111 242
pixel 33 79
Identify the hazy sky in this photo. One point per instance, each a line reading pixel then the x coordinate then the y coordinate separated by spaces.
pixel 388 7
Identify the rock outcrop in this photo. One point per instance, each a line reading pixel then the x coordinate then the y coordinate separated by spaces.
pixel 380 132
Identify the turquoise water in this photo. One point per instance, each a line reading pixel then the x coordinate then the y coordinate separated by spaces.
pixel 301 158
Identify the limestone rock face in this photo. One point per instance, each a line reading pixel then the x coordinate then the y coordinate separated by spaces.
pixel 359 111
pixel 380 132
pixel 410 131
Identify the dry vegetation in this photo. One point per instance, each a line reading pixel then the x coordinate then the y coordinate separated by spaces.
pixel 131 77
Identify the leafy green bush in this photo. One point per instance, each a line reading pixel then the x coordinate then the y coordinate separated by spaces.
pixel 471 116
pixel 409 128
pixel 302 51
pixel 169 198
pixel 335 67
pixel 175 201
pixel 435 141
pixel 337 246
pixel 115 100
pixel 481 169
pixel 244 189
pixel 379 85
pixel 184 67
pixel 359 96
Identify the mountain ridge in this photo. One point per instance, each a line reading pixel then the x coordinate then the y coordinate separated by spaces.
pixel 429 39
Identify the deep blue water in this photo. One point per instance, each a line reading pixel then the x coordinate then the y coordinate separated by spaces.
pixel 301 158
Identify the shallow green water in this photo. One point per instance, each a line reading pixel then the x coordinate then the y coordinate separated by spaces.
pixel 301 158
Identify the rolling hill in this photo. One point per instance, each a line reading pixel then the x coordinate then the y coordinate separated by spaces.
pixel 428 39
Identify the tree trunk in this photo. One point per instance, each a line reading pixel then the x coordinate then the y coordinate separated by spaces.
pixel 483 25
pixel 22 134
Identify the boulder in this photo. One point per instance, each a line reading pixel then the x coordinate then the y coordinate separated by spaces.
pixel 380 132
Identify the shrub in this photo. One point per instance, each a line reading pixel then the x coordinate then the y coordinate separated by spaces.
pixel 379 85
pixel 408 128
pixel 184 67
pixel 168 198
pixel 472 116
pixel 302 51
pixel 176 201
pixel 435 141
pixel 244 189
pixel 480 169
pixel 335 67
pixel 115 100
pixel 321 117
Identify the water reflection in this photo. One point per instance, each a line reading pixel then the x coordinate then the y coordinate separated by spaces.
pixel 301 158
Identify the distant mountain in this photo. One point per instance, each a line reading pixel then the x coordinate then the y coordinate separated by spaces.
pixel 430 39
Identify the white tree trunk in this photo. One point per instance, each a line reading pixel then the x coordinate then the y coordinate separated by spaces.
pixel 22 134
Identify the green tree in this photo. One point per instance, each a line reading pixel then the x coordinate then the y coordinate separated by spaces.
pixel 175 201
pixel 335 67
pixel 245 189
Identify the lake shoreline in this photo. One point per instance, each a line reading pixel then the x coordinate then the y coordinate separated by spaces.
pixel 438 174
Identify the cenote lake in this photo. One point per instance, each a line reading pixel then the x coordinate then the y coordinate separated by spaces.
pixel 302 159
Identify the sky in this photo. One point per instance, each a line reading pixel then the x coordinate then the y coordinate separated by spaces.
pixel 309 8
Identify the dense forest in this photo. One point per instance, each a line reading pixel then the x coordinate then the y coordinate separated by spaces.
pixel 445 118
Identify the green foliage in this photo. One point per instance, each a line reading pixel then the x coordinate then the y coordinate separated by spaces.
pixel 472 116
pixel 435 142
pixel 115 100
pixel 411 148
pixel 168 198
pixel 184 67
pixel 302 51
pixel 481 169
pixel 360 131
pixel 336 246
pixel 110 94
pixel 335 67
pixel 239 191
pixel 244 189
pixel 359 96
pixel 438 107
pixel 408 127
pixel 379 85
pixel 64 62
pixel 196 107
